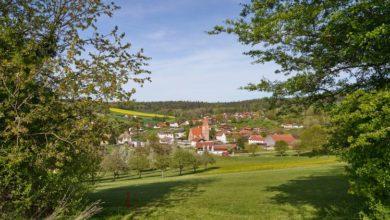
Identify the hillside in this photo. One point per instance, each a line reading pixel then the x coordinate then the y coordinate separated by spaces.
pixel 138 114
pixel 276 107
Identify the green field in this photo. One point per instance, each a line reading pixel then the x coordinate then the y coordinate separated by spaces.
pixel 138 114
pixel 263 187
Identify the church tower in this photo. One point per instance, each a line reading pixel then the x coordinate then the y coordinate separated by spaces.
pixel 206 129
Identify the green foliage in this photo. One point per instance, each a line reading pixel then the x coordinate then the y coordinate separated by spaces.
pixel 139 161
pixel 313 138
pixel 297 146
pixel 180 159
pixel 54 80
pixel 161 156
pixel 213 132
pixel 332 47
pixel 361 134
pixel 207 159
pixel 114 163
pixel 251 148
pixel 281 147
pixel 310 190
pixel 153 139
pixel 162 163
pixel 195 161
pixel 241 142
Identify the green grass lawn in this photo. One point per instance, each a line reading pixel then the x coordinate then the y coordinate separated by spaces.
pixel 139 114
pixel 263 187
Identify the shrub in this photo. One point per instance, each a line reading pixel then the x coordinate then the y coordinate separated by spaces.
pixel 361 134
pixel 281 147
pixel 251 148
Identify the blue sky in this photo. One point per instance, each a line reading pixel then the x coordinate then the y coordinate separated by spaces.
pixel 188 64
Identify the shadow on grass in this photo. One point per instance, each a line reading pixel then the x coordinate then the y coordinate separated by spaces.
pixel 205 170
pixel 314 154
pixel 151 173
pixel 327 194
pixel 143 200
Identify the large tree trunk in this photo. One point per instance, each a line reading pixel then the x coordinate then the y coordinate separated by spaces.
pixel 162 173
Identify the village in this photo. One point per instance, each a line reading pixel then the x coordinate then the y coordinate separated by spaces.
pixel 216 135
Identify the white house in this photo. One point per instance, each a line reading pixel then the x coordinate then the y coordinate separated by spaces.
pixel 194 141
pixel 137 144
pixel 162 135
pixel 291 126
pixel 221 136
pixel 174 125
pixel 256 139
pixel 213 148
pixel 167 140
pixel 124 138
pixel 185 123
pixel 180 134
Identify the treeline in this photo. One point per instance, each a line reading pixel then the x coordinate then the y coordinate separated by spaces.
pixel 275 109
pixel 123 159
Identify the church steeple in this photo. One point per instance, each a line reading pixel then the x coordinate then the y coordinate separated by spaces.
pixel 206 129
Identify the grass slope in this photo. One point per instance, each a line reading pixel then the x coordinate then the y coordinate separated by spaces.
pixel 138 114
pixel 316 189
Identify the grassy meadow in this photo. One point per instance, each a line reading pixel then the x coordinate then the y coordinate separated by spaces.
pixel 241 187
pixel 138 114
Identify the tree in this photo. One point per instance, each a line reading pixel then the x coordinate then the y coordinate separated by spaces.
pixel 213 133
pixel 180 159
pixel 328 49
pixel 162 162
pixel 57 71
pixel 298 147
pixel 139 161
pixel 207 159
pixel 318 41
pixel 360 133
pixel 251 148
pixel 281 147
pixel 241 142
pixel 314 138
pixel 153 139
pixel 195 161
pixel 114 163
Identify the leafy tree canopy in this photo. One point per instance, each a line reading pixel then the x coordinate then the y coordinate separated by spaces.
pixel 313 138
pixel 361 133
pixel 281 147
pixel 56 70
pixel 325 48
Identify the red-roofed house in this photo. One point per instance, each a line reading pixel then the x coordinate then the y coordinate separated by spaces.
pixel 213 148
pixel 270 140
pixel 256 139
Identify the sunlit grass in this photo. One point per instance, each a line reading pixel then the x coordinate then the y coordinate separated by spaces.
pixel 138 114
pixel 235 188
pixel 242 164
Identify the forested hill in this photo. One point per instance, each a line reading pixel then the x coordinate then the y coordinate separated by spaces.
pixel 195 109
